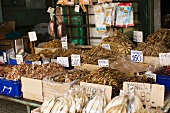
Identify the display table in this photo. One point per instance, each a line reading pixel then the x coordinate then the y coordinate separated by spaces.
pixel 28 103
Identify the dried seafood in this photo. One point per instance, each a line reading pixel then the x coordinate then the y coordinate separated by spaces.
pixel 32 57
pixel 156 43
pixel 46 52
pixel 69 76
pixel 34 71
pixel 96 53
pixel 119 43
pixel 107 76
pixel 5 69
pixel 52 44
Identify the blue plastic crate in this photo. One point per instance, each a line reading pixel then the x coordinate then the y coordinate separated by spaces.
pixel 164 80
pixel 10 88
pixel 13 61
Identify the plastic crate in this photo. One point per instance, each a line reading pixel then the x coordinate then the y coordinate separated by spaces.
pixel 10 88
pixel 13 61
pixel 164 80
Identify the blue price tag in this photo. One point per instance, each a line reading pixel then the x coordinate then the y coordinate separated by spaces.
pixel 136 56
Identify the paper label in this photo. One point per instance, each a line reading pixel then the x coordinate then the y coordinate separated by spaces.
pixel 36 62
pixel 92 88
pixel 149 74
pixel 75 60
pixel 32 36
pixel 106 46
pixel 63 61
pixel 77 8
pixel 5 56
pixel 64 45
pixel 64 39
pixel 138 36
pixel 136 56
pixel 149 94
pixel 54 60
pixel 19 59
pixel 164 59
pixel 103 63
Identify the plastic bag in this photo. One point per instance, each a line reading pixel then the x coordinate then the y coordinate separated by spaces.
pixel 124 15
pixel 99 19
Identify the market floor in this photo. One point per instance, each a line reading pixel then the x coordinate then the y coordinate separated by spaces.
pixel 11 107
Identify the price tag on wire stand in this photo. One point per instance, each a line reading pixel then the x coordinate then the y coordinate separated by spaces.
pixel 37 62
pixel 77 8
pixel 75 60
pixel 138 36
pixel 149 74
pixel 64 39
pixel 106 46
pixel 136 56
pixel 164 59
pixel 32 36
pixel 19 59
pixel 63 61
pixel 64 45
pixel 103 63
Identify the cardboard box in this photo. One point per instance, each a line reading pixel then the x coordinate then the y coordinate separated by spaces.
pixel 32 89
pixel 56 89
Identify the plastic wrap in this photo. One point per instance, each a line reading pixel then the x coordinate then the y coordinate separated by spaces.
pixel 99 18
pixel 124 15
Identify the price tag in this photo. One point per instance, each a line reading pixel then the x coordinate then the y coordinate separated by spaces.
pixel 92 88
pixel 164 59
pixel 149 94
pixel 103 63
pixel 77 8
pixel 63 61
pixel 136 56
pixel 50 10
pixel 36 62
pixel 19 59
pixel 5 56
pixel 54 60
pixel 149 74
pixel 106 46
pixel 64 45
pixel 64 39
pixel 32 36
pixel 75 60
pixel 138 36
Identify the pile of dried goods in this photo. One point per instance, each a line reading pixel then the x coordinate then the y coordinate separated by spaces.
pixel 52 44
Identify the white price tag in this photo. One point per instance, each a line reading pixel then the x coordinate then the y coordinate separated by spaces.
pixel 19 59
pixel 64 45
pixel 136 56
pixel 50 10
pixel 63 61
pixel 103 63
pixel 149 74
pixel 64 39
pixel 36 62
pixel 138 36
pixel 106 46
pixel 5 56
pixel 54 60
pixel 164 59
pixel 77 8
pixel 32 36
pixel 75 60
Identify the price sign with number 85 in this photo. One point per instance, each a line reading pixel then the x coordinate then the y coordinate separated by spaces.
pixel 136 56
